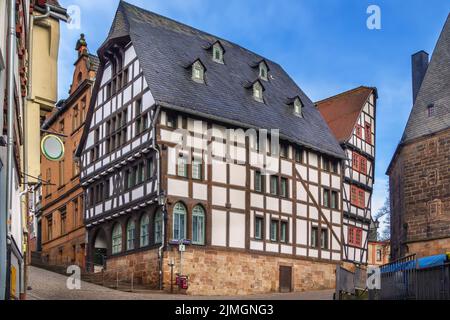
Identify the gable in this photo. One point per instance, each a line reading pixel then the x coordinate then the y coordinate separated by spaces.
pixel 435 90
pixel 343 111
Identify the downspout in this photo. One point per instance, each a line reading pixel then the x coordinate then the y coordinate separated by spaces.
pixel 10 138
pixel 155 147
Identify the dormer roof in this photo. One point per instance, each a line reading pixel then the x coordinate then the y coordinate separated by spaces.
pixel 165 46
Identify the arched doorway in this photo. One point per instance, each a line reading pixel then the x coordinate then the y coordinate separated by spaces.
pixel 100 250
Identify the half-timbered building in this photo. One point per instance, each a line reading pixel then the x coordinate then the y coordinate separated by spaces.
pixel 170 155
pixel 351 117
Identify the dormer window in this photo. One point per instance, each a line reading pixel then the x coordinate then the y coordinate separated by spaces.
pixel 258 91
pixel 263 71
pixel 431 110
pixel 298 107
pixel 218 53
pixel 198 72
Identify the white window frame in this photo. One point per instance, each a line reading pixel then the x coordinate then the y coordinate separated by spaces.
pixel 258 92
pixel 157 229
pixel 145 233
pixel 198 225
pixel 198 72
pixel 263 71
pixel 131 235
pixel 179 219
pixel 117 239
pixel 197 167
pixel 298 107
pixel 218 48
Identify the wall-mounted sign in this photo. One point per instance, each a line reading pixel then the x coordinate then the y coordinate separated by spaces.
pixel 52 147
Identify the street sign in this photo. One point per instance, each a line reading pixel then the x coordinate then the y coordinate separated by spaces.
pixel 52 147
pixel 182 248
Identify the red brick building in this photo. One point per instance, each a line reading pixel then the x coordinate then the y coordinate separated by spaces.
pixel 419 172
pixel 60 220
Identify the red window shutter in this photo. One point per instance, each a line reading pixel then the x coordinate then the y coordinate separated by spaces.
pixel 355 236
pixel 354 196
pixel 359 131
pixel 355 161
pixel 362 164
pixel 350 235
pixel 361 198
pixel 368 133
pixel 358 238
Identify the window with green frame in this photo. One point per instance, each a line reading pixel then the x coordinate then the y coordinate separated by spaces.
pixel 274 185
pixel 149 169
pixel 284 188
pixel 198 225
pixel 259 227
pixel 117 239
pixel 284 231
pixel 158 221
pixel 131 234
pixel 145 222
pixel 259 182
pixel 179 222
pixel 274 230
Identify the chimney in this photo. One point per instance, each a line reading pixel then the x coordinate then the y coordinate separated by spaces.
pixel 419 68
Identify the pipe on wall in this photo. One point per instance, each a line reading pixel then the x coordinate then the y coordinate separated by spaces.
pixel 155 147
pixel 10 138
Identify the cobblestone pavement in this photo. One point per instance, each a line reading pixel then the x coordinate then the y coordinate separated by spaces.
pixel 52 286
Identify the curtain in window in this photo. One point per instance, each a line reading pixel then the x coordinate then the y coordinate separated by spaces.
pixel 145 221
pixel 158 227
pixel 198 225
pixel 179 222
pixel 117 239
pixel 131 231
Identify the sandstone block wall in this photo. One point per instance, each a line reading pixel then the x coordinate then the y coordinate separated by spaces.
pixel 217 272
pixel 420 196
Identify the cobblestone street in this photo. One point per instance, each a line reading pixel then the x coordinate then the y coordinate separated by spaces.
pixel 52 286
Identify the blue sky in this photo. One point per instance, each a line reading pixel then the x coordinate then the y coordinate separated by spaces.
pixel 324 45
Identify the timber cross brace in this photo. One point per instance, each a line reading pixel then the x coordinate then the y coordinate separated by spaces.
pixel 330 226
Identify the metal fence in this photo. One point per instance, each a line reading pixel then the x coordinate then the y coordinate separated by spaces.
pixel 348 283
pixel 403 280
pixel 398 279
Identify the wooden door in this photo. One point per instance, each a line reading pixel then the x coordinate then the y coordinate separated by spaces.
pixel 285 279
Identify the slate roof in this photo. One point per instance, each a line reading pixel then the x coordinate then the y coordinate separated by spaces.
pixel 165 47
pixel 341 112
pixel 435 89
pixel 94 62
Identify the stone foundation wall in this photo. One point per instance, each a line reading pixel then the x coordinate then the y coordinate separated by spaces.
pixel 216 272
pixel 143 265
pixel 430 248
pixel 60 251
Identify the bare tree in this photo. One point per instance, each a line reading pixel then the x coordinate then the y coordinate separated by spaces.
pixel 384 216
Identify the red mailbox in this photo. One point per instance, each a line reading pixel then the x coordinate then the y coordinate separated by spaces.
pixel 182 282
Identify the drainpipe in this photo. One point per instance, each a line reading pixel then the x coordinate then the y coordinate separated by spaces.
pixel 155 147
pixel 4 281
